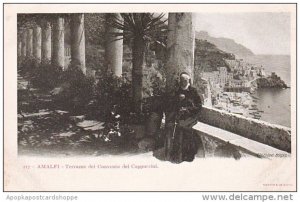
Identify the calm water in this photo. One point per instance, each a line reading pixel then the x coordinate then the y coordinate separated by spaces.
pixel 280 64
pixel 276 105
pixel 275 102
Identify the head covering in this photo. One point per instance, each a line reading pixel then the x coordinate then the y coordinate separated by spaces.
pixel 184 73
pixel 186 76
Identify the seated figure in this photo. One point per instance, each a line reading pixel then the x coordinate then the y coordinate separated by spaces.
pixel 181 110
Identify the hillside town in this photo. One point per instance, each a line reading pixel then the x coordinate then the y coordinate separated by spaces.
pixel 231 87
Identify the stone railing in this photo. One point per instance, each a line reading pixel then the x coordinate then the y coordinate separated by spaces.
pixel 270 134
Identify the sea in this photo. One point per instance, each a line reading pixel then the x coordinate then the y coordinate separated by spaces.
pixel 275 103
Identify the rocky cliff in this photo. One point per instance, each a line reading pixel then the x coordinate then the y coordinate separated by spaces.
pixel 272 81
pixel 226 44
pixel 208 57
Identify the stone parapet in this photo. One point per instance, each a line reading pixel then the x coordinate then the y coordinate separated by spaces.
pixel 270 134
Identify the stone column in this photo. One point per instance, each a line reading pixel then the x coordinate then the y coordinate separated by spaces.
pixel 19 46
pixel 24 40
pixel 37 43
pixel 180 57
pixel 46 42
pixel 29 49
pixel 78 41
pixel 113 47
pixel 58 57
pixel 180 47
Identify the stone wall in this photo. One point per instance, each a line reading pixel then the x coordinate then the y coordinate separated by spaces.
pixel 271 134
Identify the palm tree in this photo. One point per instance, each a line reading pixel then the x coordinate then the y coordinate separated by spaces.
pixel 140 29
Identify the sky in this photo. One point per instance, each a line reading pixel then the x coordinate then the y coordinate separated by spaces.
pixel 262 33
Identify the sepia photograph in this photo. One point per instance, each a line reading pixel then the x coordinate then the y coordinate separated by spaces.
pixel 208 91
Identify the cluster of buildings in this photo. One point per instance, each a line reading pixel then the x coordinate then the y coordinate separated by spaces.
pixel 218 78
pixel 237 78
pixel 238 74
pixel 245 70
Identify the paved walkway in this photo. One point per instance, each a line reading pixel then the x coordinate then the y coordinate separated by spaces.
pixel 45 130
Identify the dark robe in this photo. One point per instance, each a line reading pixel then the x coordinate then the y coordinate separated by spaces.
pixel 184 109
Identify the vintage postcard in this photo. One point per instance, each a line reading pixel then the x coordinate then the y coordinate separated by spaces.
pixel 149 97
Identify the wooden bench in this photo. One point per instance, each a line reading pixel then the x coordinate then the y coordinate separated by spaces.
pixel 241 143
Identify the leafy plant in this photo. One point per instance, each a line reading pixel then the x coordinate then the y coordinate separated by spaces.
pixel 112 92
pixel 76 89
pixel 47 76
pixel 42 75
pixel 94 58
pixel 141 29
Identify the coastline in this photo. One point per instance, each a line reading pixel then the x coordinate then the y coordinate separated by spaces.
pixel 258 105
